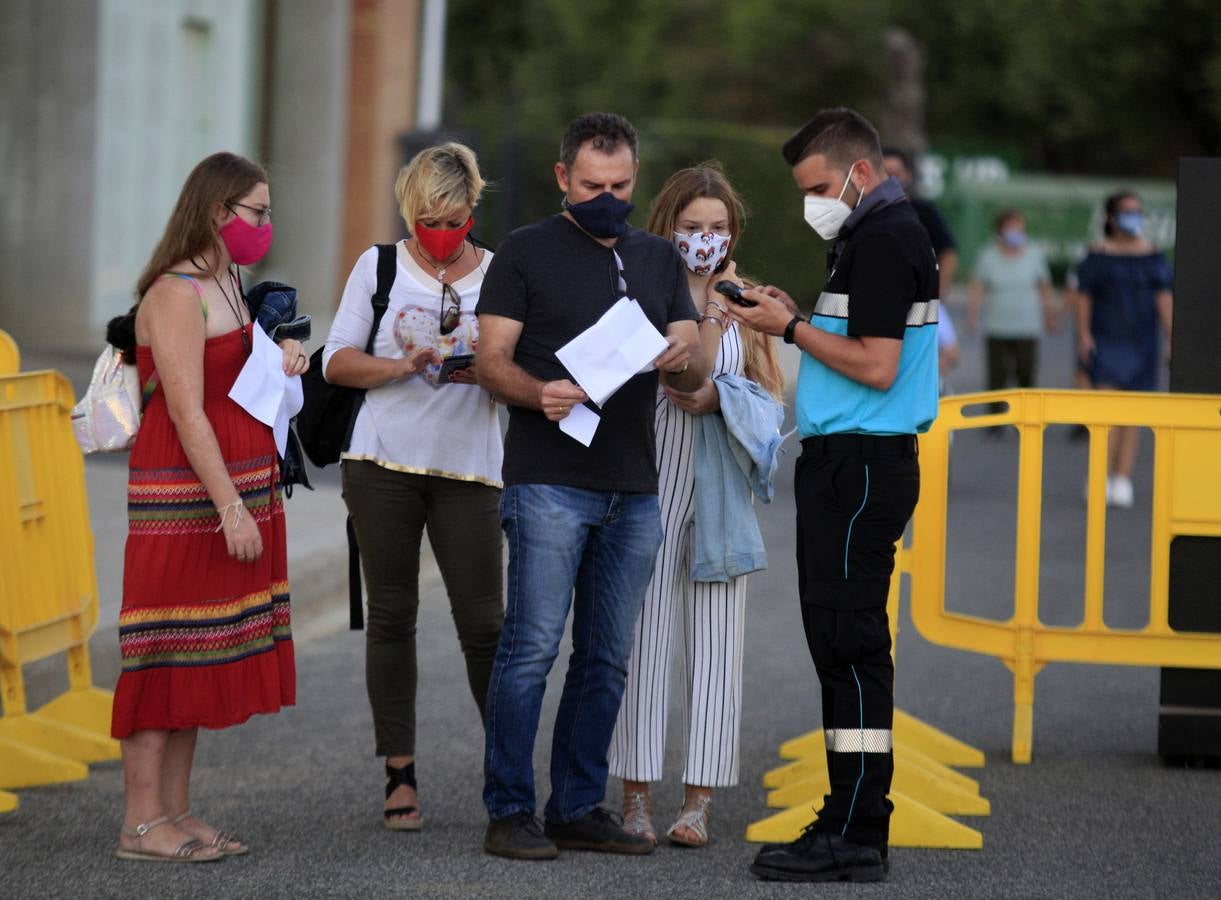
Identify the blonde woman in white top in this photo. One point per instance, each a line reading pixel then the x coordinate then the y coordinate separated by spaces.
pixel 425 451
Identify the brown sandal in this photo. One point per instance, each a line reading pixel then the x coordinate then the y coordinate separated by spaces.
pixel 189 851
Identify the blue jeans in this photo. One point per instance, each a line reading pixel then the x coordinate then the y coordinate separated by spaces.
pixel 603 544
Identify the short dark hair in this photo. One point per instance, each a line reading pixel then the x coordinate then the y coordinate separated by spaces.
pixel 909 162
pixel 606 130
pixel 841 135
pixel 1004 217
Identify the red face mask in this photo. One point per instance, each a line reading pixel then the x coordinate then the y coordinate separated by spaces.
pixel 246 243
pixel 442 243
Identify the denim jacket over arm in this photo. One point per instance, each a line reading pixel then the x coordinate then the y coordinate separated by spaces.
pixel 736 452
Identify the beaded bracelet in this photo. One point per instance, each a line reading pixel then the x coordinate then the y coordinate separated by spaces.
pixel 237 506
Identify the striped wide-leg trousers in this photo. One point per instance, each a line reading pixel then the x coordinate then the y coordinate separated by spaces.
pixel 712 618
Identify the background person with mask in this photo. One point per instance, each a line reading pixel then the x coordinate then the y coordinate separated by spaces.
pixel 867 385
pixel 899 164
pixel 1011 287
pixel 1123 296
pixel 575 516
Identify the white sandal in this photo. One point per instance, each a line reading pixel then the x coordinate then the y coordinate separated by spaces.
pixel 189 851
pixel 222 841
pixel 694 820
pixel 638 815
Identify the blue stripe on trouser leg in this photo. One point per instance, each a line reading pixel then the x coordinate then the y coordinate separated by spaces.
pixel 861 699
pixel 852 521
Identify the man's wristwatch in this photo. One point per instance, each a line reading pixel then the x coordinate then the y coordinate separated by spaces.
pixel 790 328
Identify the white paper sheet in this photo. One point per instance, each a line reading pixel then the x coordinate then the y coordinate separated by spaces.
pixel 264 391
pixel 580 424
pixel 619 345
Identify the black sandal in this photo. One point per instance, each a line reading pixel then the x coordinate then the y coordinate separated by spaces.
pixel 405 775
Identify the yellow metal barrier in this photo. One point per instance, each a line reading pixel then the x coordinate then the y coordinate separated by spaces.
pixel 48 590
pixel 10 358
pixel 1186 501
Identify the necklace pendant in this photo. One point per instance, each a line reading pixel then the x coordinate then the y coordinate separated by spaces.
pixel 441 274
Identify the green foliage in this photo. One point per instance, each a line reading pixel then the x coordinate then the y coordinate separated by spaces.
pixel 1104 87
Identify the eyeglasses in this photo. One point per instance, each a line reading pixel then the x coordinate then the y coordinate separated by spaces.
pixel 263 212
pixel 451 308
pixel 618 285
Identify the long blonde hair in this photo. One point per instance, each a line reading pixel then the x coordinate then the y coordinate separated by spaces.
pixel 222 178
pixel 761 364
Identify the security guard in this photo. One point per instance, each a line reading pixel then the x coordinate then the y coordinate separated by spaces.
pixel 867 387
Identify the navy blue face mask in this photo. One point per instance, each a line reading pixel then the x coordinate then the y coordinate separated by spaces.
pixel 604 216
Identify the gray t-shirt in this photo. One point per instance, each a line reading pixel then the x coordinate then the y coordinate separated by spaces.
pixel 1012 307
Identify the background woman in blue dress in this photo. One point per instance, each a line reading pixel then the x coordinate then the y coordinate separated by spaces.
pixel 1123 323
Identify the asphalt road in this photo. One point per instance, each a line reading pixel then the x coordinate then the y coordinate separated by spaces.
pixel 1095 814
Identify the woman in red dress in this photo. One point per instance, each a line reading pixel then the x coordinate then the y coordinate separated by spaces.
pixel 204 627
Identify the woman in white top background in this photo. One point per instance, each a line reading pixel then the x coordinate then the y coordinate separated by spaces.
pixel 699 211
pixel 425 451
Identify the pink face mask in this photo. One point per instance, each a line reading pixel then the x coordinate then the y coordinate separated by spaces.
pixel 246 243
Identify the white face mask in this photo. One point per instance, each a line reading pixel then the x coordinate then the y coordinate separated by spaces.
pixel 702 251
pixel 826 216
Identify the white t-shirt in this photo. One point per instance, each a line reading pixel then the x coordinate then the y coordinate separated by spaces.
pixel 416 425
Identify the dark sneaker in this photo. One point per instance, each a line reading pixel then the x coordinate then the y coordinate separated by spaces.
pixel 519 836
pixel 819 856
pixel 598 830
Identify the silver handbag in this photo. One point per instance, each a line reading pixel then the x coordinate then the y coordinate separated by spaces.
pixel 108 416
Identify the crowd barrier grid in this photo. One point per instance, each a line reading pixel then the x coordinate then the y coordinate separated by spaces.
pixel 1186 501
pixel 48 587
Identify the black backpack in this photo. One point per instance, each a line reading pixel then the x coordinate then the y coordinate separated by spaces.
pixel 329 413
pixel 328 416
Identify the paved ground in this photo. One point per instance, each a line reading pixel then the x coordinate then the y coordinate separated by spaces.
pixel 1095 815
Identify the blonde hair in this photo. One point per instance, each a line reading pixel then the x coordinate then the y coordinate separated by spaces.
pixel 437 180
pixel 760 362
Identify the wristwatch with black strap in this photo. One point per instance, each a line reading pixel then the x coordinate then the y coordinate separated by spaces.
pixel 791 328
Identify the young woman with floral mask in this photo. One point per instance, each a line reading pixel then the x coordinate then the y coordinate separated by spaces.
pixel 699 211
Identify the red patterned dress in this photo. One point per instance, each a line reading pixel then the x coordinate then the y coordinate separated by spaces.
pixel 205 639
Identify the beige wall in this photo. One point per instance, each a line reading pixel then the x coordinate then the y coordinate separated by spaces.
pixel 381 107
pixel 306 144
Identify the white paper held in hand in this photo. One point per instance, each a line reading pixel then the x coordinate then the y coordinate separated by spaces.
pixel 580 424
pixel 264 391
pixel 619 345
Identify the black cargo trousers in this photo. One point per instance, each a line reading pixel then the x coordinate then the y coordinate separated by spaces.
pixel 855 494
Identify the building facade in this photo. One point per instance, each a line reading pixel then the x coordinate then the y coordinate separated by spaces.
pixel 106 105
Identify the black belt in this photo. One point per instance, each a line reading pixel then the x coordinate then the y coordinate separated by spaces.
pixel 904 445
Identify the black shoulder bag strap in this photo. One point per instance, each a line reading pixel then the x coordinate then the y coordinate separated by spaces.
pixel 381 299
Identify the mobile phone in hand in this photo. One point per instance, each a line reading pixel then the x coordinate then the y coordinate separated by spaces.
pixel 733 292
pixel 452 364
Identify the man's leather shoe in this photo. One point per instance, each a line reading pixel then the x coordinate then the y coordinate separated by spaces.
pixel 819 856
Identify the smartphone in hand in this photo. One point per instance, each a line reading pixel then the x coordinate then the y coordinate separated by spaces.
pixel 452 364
pixel 734 292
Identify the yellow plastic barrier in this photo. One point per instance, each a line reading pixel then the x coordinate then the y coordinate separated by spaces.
pixel 925 790
pixel 48 590
pixel 10 357
pixel 1186 501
